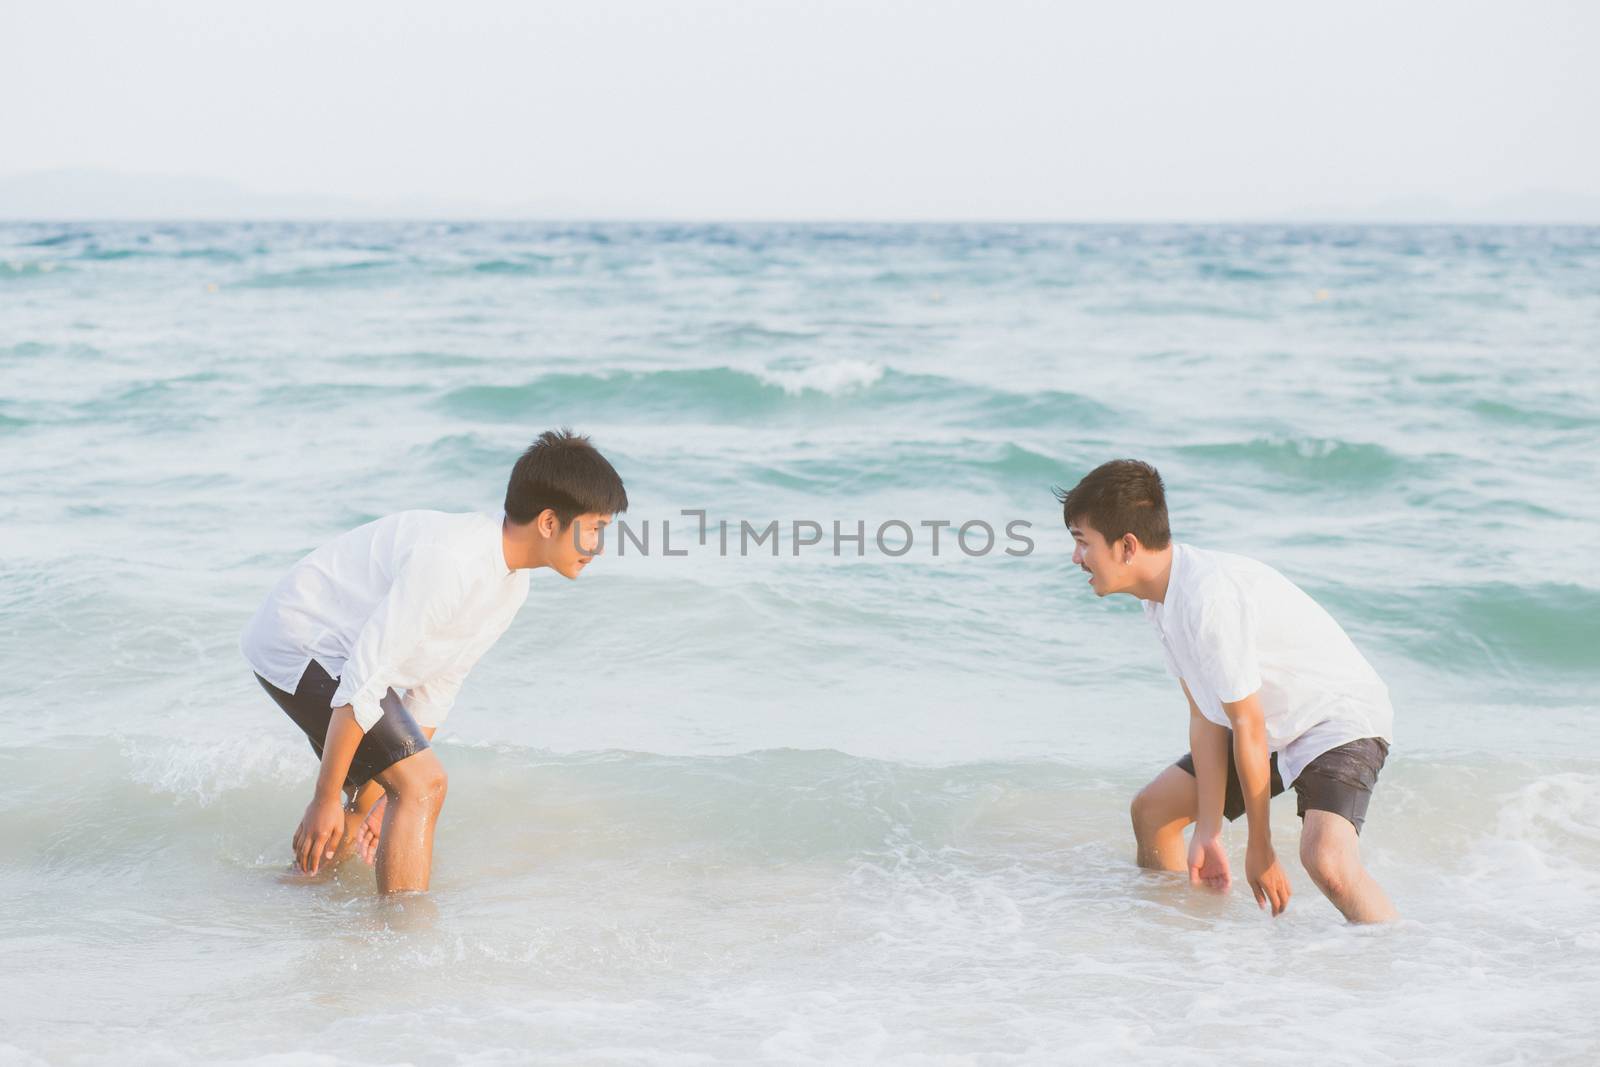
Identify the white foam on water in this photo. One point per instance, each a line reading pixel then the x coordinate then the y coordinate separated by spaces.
pixel 203 771
pixel 834 378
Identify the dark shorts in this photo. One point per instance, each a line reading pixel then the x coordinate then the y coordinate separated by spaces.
pixel 392 738
pixel 1340 780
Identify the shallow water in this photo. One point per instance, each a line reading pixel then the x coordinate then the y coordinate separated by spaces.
pixel 721 808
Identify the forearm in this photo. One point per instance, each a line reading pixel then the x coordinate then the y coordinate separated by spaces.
pixel 1255 776
pixel 1208 747
pixel 338 749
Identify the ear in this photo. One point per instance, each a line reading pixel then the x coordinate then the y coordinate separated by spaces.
pixel 1130 547
pixel 547 522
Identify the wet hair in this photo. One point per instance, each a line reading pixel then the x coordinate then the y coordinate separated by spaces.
pixel 562 471
pixel 1118 498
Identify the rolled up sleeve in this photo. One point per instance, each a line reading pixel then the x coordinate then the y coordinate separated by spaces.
pixel 430 702
pixel 426 592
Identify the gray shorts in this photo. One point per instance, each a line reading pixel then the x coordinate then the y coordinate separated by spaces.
pixel 1340 780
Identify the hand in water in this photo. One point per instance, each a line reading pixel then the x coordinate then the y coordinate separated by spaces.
pixel 1267 880
pixel 317 837
pixel 371 830
pixel 1208 863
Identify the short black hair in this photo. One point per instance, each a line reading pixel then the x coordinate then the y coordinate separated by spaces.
pixel 562 471
pixel 1118 498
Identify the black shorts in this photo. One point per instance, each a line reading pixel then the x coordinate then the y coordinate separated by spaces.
pixel 392 738
pixel 1340 780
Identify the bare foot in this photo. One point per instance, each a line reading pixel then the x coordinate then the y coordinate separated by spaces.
pixel 370 831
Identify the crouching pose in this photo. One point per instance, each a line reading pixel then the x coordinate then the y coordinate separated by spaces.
pixel 1278 696
pixel 366 641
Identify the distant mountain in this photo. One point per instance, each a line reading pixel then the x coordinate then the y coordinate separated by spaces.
pixel 1548 207
pixel 94 193
pixel 91 193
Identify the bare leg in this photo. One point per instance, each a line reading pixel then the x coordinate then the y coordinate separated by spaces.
pixel 1331 854
pixel 1160 812
pixel 370 831
pixel 414 789
pixel 355 812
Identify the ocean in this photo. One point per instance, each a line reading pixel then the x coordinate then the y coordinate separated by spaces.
pixel 811 800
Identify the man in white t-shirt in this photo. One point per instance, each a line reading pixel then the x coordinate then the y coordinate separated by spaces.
pixel 1278 696
pixel 366 641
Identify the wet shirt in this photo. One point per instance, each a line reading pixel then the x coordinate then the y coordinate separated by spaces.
pixel 409 602
pixel 1231 626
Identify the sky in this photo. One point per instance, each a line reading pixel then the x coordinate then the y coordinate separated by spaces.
pixel 989 109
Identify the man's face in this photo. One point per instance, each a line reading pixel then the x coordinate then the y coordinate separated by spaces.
pixel 579 544
pixel 1105 564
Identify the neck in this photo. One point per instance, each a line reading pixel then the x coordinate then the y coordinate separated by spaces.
pixel 521 546
pixel 1154 576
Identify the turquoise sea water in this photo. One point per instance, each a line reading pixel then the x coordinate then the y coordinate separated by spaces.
pixel 724 808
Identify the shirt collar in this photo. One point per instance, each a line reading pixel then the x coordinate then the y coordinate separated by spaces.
pixel 497 544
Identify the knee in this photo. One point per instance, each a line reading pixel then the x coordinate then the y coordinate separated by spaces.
pixel 1327 866
pixel 1142 811
pixel 427 784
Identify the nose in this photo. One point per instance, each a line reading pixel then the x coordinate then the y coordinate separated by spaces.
pixel 1077 554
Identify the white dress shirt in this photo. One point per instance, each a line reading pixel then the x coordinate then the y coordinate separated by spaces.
pixel 409 602
pixel 1231 626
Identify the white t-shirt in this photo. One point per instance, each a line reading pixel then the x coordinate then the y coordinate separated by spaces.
pixel 409 602
pixel 1231 626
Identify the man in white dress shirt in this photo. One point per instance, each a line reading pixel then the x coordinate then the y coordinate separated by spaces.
pixel 366 641
pixel 1278 696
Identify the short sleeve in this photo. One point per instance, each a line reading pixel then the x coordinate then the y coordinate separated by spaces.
pixel 1172 664
pixel 1154 619
pixel 1225 646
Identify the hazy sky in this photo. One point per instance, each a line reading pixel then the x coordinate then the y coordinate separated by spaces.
pixel 925 109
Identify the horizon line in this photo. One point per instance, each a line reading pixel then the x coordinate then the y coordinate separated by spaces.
pixel 796 221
